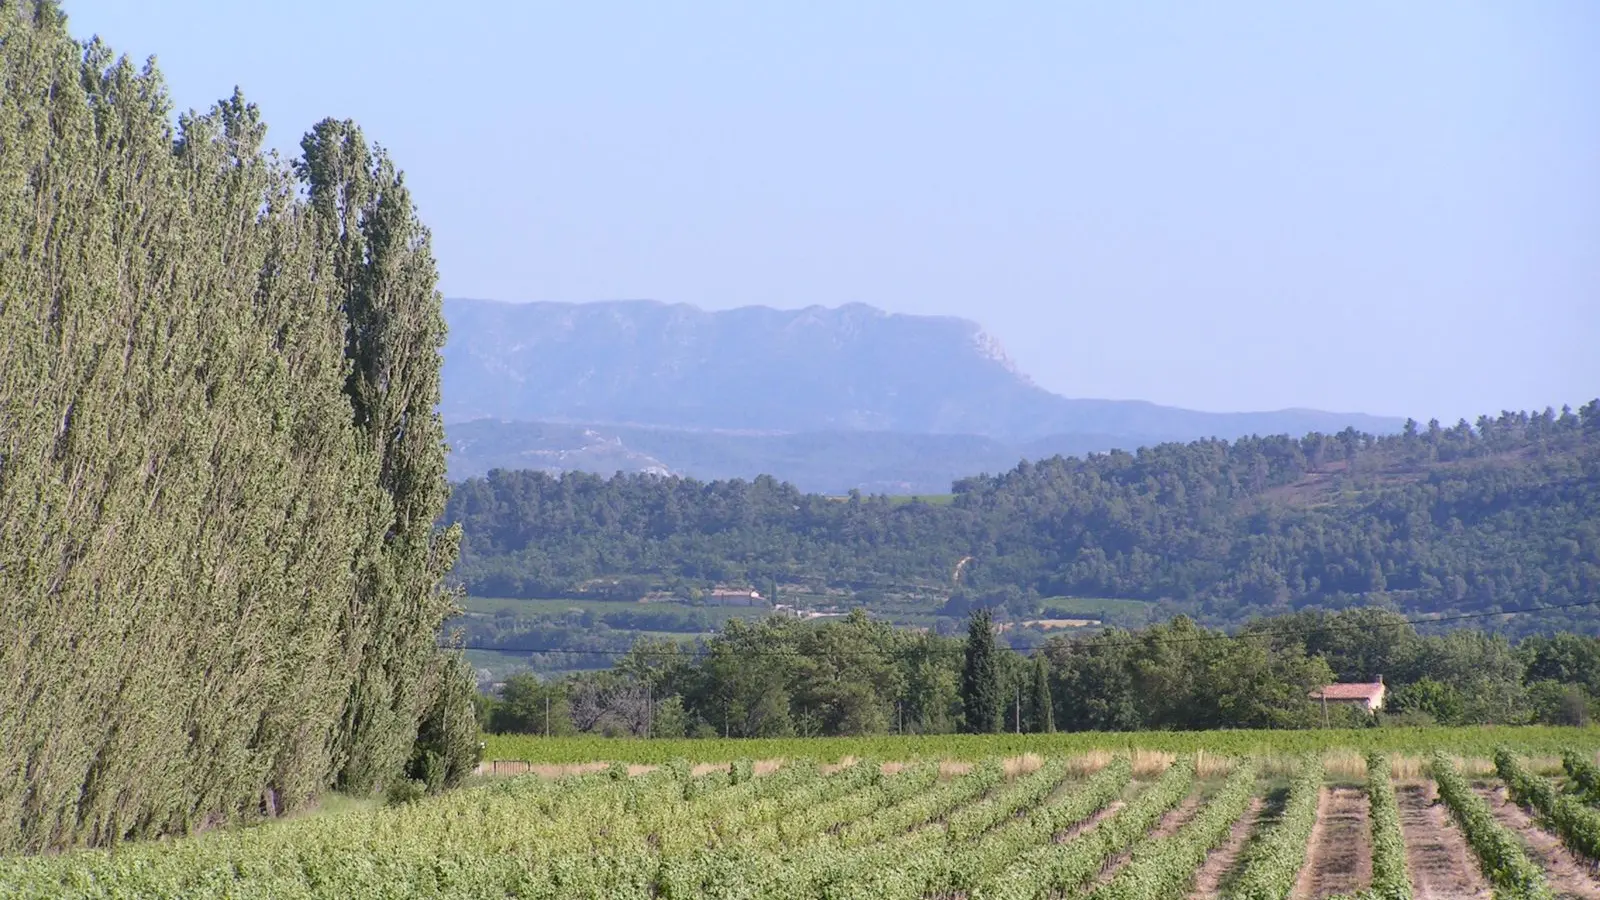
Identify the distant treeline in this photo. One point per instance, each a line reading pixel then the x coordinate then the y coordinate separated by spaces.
pixel 1503 514
pixel 856 676
pixel 219 463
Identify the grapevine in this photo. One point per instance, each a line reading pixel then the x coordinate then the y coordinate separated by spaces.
pixel 1578 825
pixel 1057 868
pixel 1500 854
pixel 1583 772
pixel 1389 879
pixel 1275 861
pixel 1165 867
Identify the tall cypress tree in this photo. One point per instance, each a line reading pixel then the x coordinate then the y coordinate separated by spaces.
pixel 980 676
pixel 1041 711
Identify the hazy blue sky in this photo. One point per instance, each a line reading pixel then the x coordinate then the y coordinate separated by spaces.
pixel 1387 207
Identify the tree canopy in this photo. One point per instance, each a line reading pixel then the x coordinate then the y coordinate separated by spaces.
pixel 856 676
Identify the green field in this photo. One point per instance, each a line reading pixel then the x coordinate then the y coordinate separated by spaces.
pixel 1059 821
pixel 1478 741
pixel 929 499
pixel 527 608
pixel 1100 607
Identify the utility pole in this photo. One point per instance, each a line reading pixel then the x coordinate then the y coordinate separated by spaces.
pixel 1019 707
pixel 649 711
pixel 547 713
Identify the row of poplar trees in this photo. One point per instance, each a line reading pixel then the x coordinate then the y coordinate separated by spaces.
pixel 220 461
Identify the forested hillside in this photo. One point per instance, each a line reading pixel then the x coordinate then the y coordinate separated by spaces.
pixel 219 462
pixel 1464 519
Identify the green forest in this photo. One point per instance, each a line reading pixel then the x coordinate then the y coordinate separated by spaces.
pixel 220 465
pixel 1474 518
pixel 782 678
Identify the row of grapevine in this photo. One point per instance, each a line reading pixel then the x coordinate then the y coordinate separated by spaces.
pixel 472 843
pixel 1043 822
pixel 967 867
pixel 1274 862
pixel 583 811
pixel 1500 854
pixel 925 808
pixel 817 821
pixel 862 774
pixel 1023 793
pixel 1578 825
pixel 1583 772
pixel 676 830
pixel 896 871
pixel 1389 880
pixel 1165 867
pixel 835 860
pixel 735 869
pixel 1059 868
pixel 598 835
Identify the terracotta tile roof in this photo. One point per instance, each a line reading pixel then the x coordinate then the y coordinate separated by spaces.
pixel 1349 692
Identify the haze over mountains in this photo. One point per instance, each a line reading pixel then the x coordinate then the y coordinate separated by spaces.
pixel 828 398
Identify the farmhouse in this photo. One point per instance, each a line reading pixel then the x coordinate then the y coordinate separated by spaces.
pixel 1369 696
pixel 734 597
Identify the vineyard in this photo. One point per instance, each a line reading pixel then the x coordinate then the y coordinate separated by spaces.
pixel 1472 741
pixel 1519 822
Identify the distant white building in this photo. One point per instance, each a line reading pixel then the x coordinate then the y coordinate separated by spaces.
pixel 1362 694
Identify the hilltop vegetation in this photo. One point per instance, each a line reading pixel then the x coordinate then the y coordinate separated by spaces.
pixel 219 461
pixel 1437 520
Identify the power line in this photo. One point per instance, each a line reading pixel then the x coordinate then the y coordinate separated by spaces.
pixel 1132 638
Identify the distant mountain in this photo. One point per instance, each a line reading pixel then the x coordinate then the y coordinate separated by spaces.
pixel 849 369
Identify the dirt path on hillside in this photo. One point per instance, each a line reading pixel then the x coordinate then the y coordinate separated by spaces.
pixel 1441 865
pixel 1568 874
pixel 1339 858
pixel 1221 862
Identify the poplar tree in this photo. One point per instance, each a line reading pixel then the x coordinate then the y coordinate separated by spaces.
pixel 219 465
pixel 380 256
pixel 980 676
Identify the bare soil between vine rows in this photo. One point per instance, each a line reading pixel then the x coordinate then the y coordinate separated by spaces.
pixel 1221 862
pixel 1440 863
pixel 1339 860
